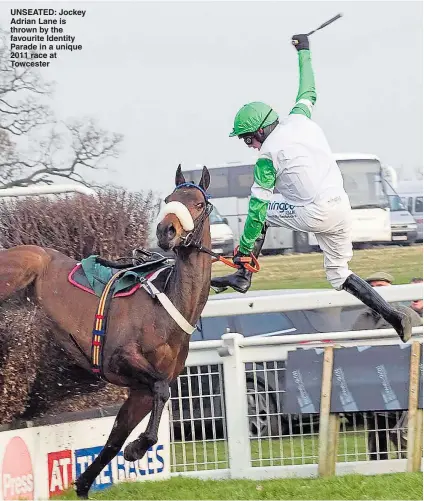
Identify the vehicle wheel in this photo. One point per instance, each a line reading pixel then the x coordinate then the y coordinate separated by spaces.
pixel 263 419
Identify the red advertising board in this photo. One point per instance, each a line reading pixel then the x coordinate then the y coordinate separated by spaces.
pixel 60 471
pixel 17 474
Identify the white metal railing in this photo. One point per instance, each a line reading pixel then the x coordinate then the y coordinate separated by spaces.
pixel 233 408
pixel 46 190
pixel 287 444
pixel 303 301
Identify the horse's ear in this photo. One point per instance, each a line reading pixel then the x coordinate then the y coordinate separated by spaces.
pixel 179 177
pixel 205 180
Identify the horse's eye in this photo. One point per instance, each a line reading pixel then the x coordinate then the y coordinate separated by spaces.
pixel 200 205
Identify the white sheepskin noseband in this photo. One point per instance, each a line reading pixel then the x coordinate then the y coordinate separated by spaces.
pixel 182 213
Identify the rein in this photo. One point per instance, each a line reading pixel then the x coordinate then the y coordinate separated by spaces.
pixel 217 257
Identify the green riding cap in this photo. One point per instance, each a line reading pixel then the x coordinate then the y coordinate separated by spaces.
pixel 250 118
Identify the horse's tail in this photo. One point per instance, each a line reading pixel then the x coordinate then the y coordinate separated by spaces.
pixel 20 266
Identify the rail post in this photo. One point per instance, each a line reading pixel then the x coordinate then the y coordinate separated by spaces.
pixel 415 415
pixel 239 456
pixel 329 423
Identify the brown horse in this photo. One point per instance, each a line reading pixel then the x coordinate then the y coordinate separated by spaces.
pixel 145 349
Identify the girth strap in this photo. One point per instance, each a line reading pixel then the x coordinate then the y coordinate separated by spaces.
pixel 100 323
pixel 100 326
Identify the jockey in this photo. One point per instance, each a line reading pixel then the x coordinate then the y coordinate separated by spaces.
pixel 298 185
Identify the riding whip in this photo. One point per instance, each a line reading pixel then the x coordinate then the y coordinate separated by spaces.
pixel 323 25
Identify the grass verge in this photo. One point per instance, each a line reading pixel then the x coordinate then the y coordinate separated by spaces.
pixel 303 271
pixel 392 486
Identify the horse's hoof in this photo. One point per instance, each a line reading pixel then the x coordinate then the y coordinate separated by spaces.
pixel 81 490
pixel 137 449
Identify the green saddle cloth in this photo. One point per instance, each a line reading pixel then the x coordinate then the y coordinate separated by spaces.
pixel 97 276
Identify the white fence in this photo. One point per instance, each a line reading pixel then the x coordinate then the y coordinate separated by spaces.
pixel 46 190
pixel 304 301
pixel 226 414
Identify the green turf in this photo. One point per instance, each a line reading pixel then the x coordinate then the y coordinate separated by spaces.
pixel 393 486
pixel 303 271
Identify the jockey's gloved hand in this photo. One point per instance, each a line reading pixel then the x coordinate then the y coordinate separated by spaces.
pixel 302 42
pixel 241 259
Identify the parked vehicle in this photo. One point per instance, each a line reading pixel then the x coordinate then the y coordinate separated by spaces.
pixel 199 410
pixel 363 182
pixel 221 234
pixel 413 201
pixel 403 225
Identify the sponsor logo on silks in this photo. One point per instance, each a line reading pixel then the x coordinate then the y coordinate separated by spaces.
pixel 283 209
pixel 16 474
pixel 65 466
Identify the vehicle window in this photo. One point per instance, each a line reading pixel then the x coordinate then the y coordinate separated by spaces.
pixel 219 181
pixel 396 203
pixel 215 217
pixel 265 324
pixel 410 205
pixel 241 180
pixel 419 205
pixel 214 327
pixel 362 182
pixel 219 187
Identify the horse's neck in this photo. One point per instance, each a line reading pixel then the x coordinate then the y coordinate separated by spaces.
pixel 190 282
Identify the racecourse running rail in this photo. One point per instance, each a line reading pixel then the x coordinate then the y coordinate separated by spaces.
pixel 227 420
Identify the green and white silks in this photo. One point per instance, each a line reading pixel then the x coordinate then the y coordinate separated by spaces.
pixel 265 173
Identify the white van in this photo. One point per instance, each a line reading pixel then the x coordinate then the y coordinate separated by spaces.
pixel 413 201
pixel 403 225
pixel 221 234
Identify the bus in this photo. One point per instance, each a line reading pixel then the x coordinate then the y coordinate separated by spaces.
pixel 363 181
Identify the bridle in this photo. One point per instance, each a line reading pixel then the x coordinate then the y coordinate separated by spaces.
pixel 193 238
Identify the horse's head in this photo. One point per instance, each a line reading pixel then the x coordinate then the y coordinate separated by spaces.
pixel 186 211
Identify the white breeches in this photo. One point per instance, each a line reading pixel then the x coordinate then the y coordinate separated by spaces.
pixel 329 219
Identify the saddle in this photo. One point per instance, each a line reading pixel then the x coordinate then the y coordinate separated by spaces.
pixel 93 273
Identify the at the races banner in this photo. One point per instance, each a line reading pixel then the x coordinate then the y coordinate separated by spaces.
pixel 40 462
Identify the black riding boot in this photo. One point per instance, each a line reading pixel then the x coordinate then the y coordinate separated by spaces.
pixel 363 291
pixel 240 280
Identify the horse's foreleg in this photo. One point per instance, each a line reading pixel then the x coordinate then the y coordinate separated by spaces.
pixel 135 408
pixel 136 450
